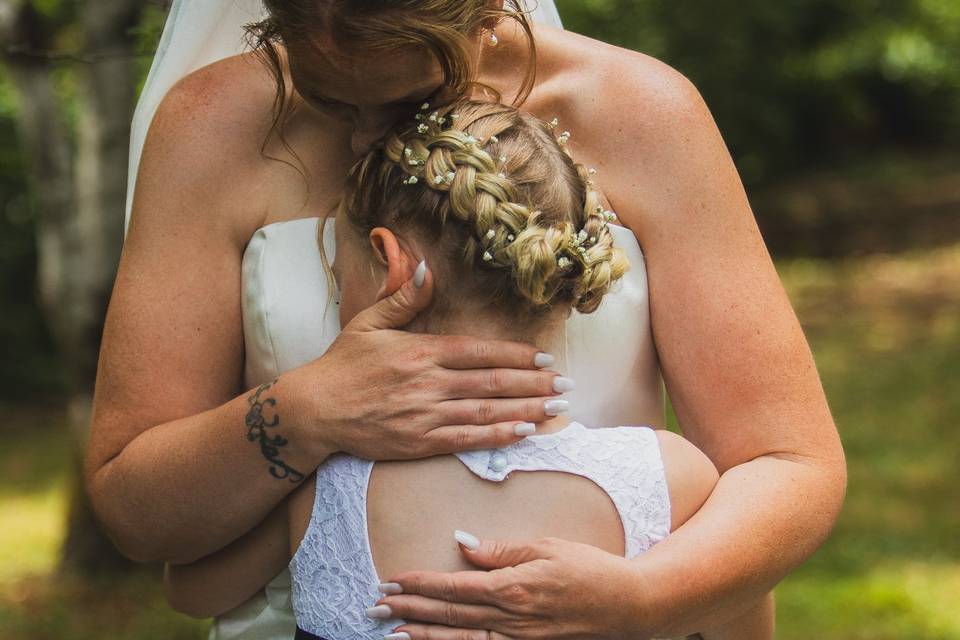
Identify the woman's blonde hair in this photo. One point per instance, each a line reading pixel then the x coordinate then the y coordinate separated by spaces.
pixel 443 27
pixel 510 221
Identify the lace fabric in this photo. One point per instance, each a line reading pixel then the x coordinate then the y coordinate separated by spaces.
pixel 333 576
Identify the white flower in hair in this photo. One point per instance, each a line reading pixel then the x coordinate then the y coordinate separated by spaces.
pixel 563 262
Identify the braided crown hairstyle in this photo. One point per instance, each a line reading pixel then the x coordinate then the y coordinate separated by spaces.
pixel 515 221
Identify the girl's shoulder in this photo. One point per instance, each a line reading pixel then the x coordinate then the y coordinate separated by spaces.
pixel 691 475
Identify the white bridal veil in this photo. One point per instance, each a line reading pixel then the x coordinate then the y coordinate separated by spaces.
pixel 199 32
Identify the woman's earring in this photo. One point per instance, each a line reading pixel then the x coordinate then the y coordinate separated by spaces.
pixel 493 38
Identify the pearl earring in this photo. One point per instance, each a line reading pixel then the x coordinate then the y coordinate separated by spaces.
pixel 493 38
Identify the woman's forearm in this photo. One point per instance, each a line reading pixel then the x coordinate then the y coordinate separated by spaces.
pixel 226 579
pixel 183 489
pixel 764 518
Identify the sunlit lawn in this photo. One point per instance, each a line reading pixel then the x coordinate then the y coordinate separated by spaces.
pixel 886 335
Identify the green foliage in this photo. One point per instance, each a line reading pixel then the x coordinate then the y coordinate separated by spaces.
pixel 801 82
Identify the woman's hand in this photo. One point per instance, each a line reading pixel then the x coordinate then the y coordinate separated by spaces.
pixel 543 588
pixel 380 393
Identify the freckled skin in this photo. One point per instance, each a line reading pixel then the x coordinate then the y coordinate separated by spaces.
pixel 743 383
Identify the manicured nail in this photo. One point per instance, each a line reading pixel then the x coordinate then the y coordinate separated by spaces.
pixel 399 635
pixel 390 588
pixel 562 385
pixel 420 274
pixel 543 360
pixel 525 429
pixel 379 612
pixel 468 540
pixel 555 407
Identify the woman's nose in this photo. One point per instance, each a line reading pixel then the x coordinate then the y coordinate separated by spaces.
pixel 366 131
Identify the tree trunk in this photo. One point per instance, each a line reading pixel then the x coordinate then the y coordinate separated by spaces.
pixel 107 87
pixel 78 202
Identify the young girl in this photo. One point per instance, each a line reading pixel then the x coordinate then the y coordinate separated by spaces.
pixel 515 239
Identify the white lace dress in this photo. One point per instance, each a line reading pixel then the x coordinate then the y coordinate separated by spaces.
pixel 334 578
pixel 609 353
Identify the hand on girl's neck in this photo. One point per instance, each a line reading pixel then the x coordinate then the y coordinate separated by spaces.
pixel 476 323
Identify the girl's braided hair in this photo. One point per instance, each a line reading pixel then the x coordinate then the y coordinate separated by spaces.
pixel 516 221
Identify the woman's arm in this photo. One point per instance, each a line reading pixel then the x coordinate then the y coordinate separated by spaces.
pixel 170 469
pixel 224 580
pixel 737 366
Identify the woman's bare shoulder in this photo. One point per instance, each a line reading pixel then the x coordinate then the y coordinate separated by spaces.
pixel 604 88
pixel 647 129
pixel 205 144
pixel 229 101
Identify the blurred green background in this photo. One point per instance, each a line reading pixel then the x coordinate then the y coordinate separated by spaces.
pixel 843 117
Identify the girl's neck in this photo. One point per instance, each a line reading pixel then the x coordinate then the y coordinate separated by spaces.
pixel 547 338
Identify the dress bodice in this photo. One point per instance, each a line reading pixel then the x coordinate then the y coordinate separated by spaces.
pixel 288 321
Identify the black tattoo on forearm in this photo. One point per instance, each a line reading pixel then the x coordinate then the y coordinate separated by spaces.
pixel 257 426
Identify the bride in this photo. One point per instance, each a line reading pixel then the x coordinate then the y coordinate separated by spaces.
pixel 218 292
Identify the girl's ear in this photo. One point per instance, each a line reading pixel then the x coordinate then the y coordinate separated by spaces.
pixel 397 261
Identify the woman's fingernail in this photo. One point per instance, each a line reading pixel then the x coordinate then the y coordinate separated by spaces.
pixel 555 407
pixel 379 612
pixel 399 635
pixel 420 274
pixel 468 540
pixel 562 385
pixel 542 360
pixel 525 429
pixel 390 588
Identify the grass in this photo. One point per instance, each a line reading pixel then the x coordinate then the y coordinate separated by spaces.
pixel 886 335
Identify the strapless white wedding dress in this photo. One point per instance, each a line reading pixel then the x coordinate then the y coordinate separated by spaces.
pixel 287 323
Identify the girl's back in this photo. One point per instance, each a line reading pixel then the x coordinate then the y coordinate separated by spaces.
pixel 620 489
